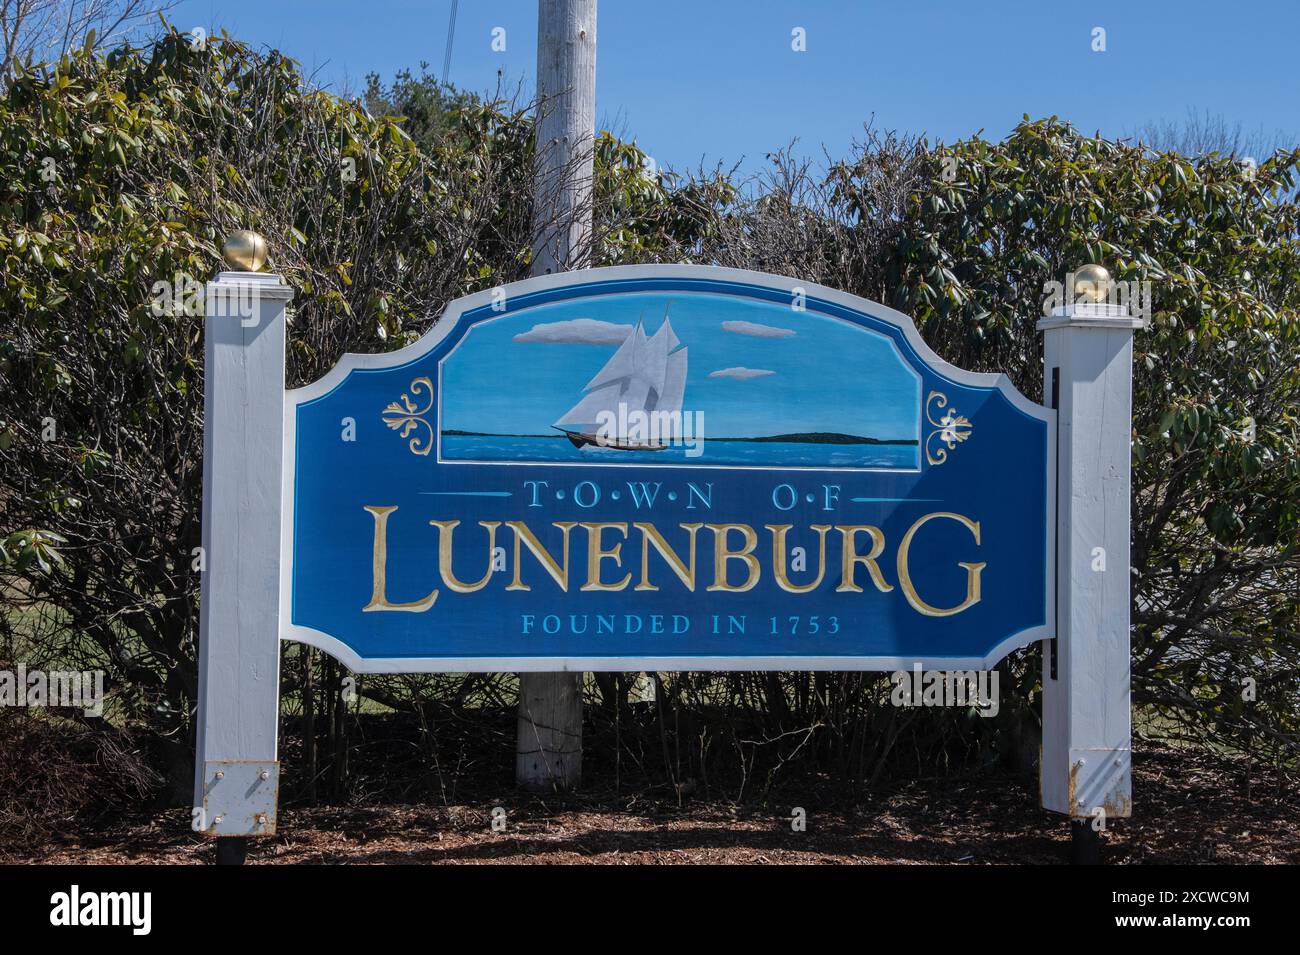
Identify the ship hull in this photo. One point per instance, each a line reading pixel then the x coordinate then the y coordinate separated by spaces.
pixel 580 441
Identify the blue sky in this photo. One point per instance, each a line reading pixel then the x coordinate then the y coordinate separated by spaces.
pixel 827 376
pixel 718 81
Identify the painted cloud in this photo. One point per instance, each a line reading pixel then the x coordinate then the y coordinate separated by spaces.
pixel 577 331
pixel 757 330
pixel 740 373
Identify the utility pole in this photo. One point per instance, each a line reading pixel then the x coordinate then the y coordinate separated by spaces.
pixel 548 746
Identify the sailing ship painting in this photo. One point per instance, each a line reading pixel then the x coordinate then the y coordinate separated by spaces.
pixel 681 378
pixel 643 381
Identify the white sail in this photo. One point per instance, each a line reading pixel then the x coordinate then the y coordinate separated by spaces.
pixel 674 383
pixel 644 374
pixel 652 364
pixel 622 364
pixel 583 417
pixel 636 394
pixel 666 330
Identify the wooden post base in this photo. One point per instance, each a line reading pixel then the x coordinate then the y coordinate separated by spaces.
pixel 232 850
pixel 548 755
pixel 1085 843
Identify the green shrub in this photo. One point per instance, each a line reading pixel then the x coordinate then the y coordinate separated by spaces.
pixel 120 174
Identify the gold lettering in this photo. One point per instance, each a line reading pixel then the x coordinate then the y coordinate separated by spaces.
pixel 596 553
pixel 445 529
pixel 851 558
pixel 650 535
pixel 721 555
pixel 972 570
pixel 560 573
pixel 379 569
pixel 779 532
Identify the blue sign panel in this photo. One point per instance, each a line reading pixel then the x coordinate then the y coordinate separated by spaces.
pixel 666 467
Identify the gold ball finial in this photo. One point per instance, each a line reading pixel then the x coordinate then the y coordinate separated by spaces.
pixel 245 251
pixel 1091 284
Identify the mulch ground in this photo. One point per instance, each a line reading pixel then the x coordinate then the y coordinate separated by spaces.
pixel 1188 809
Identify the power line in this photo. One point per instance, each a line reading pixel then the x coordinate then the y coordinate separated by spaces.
pixel 451 35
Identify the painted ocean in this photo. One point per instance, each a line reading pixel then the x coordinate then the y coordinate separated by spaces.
pixel 558 449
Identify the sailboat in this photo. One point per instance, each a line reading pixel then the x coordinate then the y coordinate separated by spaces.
pixel 646 374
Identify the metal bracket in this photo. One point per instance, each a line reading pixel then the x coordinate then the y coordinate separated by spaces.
pixel 1101 780
pixel 239 798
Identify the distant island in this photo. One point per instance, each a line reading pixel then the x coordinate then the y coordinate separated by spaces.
pixel 822 437
pixel 804 437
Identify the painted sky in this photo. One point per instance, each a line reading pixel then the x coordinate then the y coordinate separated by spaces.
pixel 829 375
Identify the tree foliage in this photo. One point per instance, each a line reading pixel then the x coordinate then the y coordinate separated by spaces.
pixel 1216 430
pixel 121 176
pixel 965 238
pixel 122 172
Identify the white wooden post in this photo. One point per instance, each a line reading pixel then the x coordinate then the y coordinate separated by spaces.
pixel 1088 366
pixel 236 768
pixel 548 740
